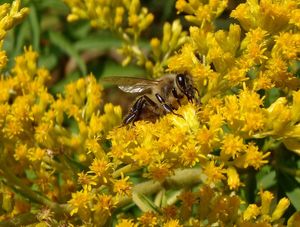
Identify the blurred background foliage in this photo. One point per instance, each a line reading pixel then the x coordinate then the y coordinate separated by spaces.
pixel 73 50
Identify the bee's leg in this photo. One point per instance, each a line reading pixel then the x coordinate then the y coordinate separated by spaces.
pixel 136 109
pixel 178 97
pixel 149 100
pixel 165 106
pixel 198 98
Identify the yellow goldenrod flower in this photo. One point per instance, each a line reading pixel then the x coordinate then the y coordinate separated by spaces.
pixel 4 110
pixel 281 207
pixel 184 61
pixel 122 186
pixel 272 16
pixel 295 17
pixel 159 171
pixel 188 199
pixel 252 157
pixel 191 154
pixel 251 212
pixel 232 146
pixel 148 219
pixel 254 121
pixel 233 180
pixel 278 115
pixel 172 223
pixel 249 100
pixel 126 223
pixel 214 173
pixel 263 81
pixel 231 110
pixel 277 70
pixel 36 154
pixel 100 167
pixel 80 200
pixel 104 204
pixel 119 16
pixel 43 134
pixel 85 179
pixel 266 199
pixel 141 155
pixel 206 138
pixel 13 127
pixel 92 145
pixel 255 47
pixel 3 57
pixel 199 13
pixel 189 122
pixel 295 108
pixel 111 117
pixel 287 46
pixel 20 152
pixel 10 16
pixel 294 220
pixel 224 209
pixel 48 139
pixel 93 96
pixel 170 212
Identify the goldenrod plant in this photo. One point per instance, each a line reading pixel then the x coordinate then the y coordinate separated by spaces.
pixel 230 158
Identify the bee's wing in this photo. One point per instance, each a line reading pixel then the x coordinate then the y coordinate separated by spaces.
pixel 131 84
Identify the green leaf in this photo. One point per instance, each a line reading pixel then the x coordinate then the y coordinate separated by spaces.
pixel 30 174
pixel 21 34
pixel 271 96
pixel 291 188
pixel 97 42
pixel 35 27
pixel 59 86
pixel 292 145
pixel 173 197
pixel 48 61
pixel 56 5
pixel 112 68
pixel 79 30
pixel 266 178
pixel 60 41
pixel 144 203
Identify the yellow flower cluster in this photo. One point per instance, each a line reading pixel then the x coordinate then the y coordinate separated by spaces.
pixel 39 131
pixel 217 209
pixel 176 142
pixel 129 19
pixel 264 58
pixel 68 154
pixel 10 16
pixel 126 18
pixel 111 14
pixel 201 13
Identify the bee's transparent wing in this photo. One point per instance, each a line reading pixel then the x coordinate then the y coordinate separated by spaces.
pixel 131 84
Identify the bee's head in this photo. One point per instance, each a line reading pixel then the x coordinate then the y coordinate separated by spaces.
pixel 185 85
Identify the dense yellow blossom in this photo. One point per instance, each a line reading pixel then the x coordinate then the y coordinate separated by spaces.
pixel 72 159
pixel 267 14
pixel 80 200
pixel 126 223
pixel 148 219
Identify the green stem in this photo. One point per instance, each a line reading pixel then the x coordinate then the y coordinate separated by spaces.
pixel 20 220
pixel 16 184
pixel 126 169
pixel 290 171
pixel 181 179
pixel 250 186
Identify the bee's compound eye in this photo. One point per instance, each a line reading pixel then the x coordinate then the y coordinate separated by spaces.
pixel 181 80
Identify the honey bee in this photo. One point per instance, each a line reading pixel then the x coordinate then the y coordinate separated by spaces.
pixel 157 97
